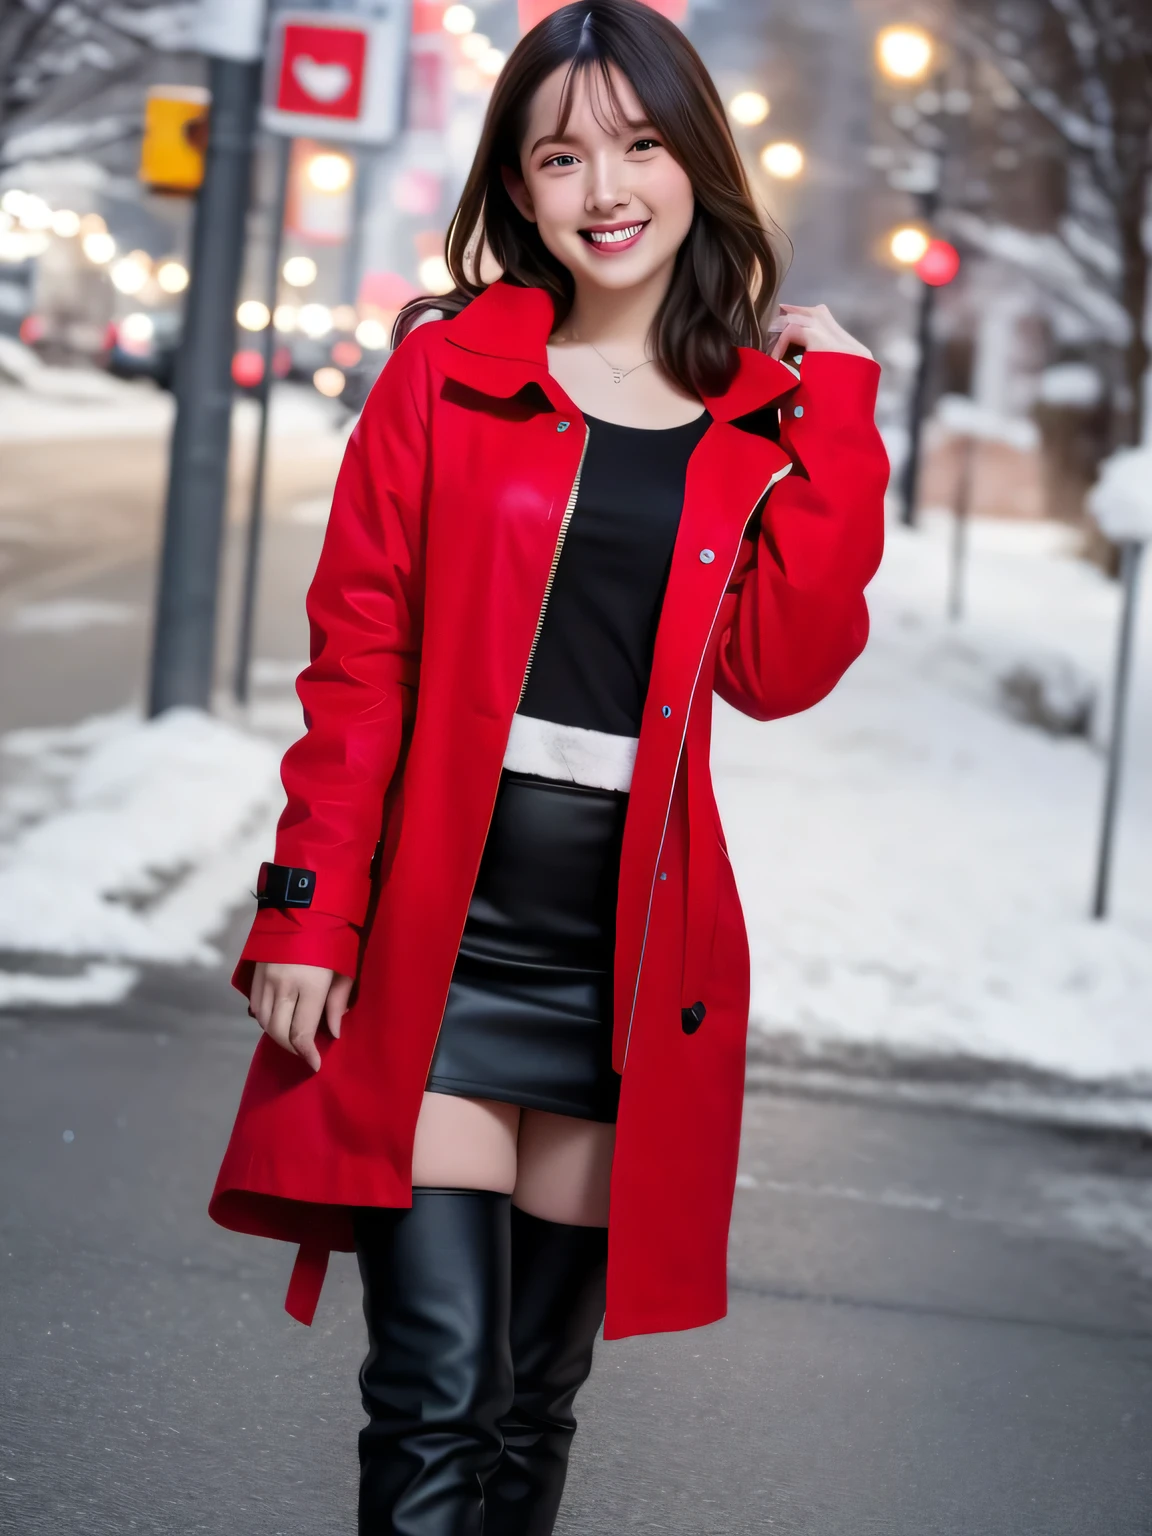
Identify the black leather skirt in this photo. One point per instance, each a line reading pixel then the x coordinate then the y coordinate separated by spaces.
pixel 529 1014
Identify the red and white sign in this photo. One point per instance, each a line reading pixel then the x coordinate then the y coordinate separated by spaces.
pixel 337 74
pixel 322 70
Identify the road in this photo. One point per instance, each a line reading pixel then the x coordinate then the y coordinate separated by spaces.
pixel 940 1323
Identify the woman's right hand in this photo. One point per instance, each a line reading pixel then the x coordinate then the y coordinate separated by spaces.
pixel 289 1002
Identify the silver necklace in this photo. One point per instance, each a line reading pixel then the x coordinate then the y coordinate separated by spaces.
pixel 620 374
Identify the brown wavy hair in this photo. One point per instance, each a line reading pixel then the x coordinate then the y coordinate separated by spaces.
pixel 726 272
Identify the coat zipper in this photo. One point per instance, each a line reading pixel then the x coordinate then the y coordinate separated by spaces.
pixel 779 475
pixel 564 521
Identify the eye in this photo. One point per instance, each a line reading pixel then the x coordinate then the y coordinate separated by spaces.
pixel 565 157
pixel 646 144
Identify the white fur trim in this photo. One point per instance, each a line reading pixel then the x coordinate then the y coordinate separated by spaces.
pixel 570 754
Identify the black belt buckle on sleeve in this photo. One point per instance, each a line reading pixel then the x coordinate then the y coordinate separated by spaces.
pixel 282 886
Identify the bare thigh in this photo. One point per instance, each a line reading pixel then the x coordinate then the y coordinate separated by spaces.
pixel 465 1144
pixel 564 1168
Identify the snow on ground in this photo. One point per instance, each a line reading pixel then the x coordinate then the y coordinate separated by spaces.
pixel 915 865
pixel 125 839
pixel 110 407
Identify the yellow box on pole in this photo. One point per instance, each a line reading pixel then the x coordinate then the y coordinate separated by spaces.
pixel 175 136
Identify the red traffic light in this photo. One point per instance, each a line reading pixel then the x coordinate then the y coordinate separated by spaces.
pixel 939 264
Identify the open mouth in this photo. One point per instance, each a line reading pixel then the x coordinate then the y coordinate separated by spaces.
pixel 609 238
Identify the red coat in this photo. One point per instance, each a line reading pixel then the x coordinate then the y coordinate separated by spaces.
pixel 423 610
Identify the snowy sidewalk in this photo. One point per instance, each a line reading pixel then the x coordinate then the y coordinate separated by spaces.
pixel 915 864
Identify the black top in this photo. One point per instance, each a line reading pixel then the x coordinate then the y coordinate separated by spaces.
pixel 594 658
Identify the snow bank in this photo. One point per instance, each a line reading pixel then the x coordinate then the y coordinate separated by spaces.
pixel 132 840
pixel 1121 499
pixel 915 865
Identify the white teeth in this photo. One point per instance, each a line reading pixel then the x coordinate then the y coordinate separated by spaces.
pixel 609 236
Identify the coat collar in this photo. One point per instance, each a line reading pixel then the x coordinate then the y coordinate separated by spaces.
pixel 499 342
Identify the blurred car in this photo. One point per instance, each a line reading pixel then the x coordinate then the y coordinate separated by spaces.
pixel 143 345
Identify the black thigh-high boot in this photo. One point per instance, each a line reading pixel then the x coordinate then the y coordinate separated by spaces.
pixel 558 1277
pixel 438 1375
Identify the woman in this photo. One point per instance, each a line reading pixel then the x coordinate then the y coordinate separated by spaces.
pixel 500 962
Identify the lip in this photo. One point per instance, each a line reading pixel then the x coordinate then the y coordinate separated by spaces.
pixel 612 247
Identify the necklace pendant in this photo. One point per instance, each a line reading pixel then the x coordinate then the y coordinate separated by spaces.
pixel 617 376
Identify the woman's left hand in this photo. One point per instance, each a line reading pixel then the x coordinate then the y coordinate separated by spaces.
pixel 813 328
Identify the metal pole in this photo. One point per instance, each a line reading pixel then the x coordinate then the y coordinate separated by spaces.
pixel 1130 553
pixel 962 508
pixel 283 151
pixel 910 478
pixel 183 652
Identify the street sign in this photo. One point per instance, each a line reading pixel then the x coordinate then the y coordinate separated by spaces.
pixel 529 12
pixel 175 138
pixel 336 75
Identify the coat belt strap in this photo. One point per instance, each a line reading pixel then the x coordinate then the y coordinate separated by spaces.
pixel 307 1282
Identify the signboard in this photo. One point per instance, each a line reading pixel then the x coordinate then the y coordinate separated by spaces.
pixel 529 12
pixel 175 138
pixel 337 75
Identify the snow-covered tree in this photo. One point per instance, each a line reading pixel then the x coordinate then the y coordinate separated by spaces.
pixel 59 59
pixel 1081 73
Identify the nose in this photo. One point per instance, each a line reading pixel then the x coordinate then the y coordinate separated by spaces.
pixel 609 189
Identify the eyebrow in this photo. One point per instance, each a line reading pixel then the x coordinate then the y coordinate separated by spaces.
pixel 561 138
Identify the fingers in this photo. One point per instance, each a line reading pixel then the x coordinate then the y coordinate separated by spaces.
pixel 288 1002
pixel 792 334
pixel 336 1004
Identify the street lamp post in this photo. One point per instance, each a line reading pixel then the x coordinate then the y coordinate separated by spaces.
pixel 907 55
pixel 184 637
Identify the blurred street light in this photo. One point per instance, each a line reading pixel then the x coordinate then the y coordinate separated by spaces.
pixel 459 19
pixel 372 334
pixel 315 320
pixel 490 62
pixel 299 271
pixel 252 315
pixel 907 244
pixel 939 264
pixel 782 159
pixel 13 201
pixel 329 172
pixel 34 213
pixel 285 317
pixel 172 276
pixel 65 223
pixel 475 45
pixel 905 53
pixel 131 272
pixel 138 328
pixel 344 317
pixel 93 224
pixel 329 381
pixel 748 108
pixel 434 275
pixel 99 247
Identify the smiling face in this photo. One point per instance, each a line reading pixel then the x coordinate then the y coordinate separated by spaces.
pixel 610 201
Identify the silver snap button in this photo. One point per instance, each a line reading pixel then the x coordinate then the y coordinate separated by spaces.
pixel 707 556
pixel 666 710
pixel 663 876
pixel 799 411
pixel 562 426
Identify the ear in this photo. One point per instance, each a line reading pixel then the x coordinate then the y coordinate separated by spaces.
pixel 518 192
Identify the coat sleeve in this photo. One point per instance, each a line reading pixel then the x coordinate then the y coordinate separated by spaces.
pixel 365 614
pixel 794 617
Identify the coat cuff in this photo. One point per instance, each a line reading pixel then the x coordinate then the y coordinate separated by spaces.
pixel 298 937
pixel 843 385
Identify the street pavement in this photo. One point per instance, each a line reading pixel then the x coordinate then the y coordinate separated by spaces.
pixel 940 1322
